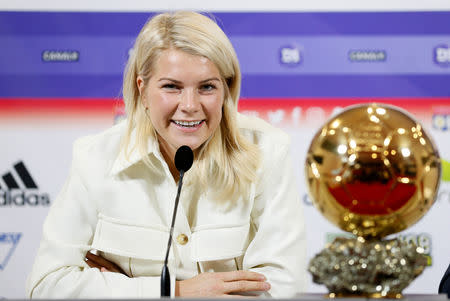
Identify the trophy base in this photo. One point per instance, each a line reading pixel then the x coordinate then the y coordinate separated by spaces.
pixel 369 296
pixel 354 267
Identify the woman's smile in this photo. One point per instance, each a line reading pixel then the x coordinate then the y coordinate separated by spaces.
pixel 188 126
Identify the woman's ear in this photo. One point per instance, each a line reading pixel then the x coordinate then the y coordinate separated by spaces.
pixel 140 84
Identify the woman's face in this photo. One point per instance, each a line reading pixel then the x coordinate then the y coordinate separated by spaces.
pixel 184 97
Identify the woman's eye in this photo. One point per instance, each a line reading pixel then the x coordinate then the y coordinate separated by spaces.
pixel 170 86
pixel 207 87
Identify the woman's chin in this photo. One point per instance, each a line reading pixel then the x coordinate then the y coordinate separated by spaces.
pixel 194 144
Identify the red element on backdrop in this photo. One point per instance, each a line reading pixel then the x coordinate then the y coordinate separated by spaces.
pixel 290 112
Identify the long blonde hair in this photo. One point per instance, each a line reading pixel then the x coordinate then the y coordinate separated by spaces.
pixel 226 162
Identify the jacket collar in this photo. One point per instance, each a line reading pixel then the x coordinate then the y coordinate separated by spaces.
pixel 121 162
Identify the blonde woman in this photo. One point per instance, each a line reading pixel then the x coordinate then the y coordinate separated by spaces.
pixel 239 227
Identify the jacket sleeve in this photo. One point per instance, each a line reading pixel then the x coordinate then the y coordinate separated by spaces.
pixel 59 270
pixel 278 248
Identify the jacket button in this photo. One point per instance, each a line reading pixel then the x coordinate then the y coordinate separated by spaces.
pixel 182 239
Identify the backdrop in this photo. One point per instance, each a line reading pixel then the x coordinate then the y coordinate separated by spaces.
pixel 61 73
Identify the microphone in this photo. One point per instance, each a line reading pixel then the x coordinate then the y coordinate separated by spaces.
pixel 183 161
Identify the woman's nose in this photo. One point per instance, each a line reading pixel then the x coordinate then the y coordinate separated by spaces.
pixel 189 101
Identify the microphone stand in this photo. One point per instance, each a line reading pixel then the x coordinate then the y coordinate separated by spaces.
pixel 165 275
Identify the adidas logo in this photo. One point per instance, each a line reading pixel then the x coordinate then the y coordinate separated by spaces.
pixel 23 192
pixel 8 243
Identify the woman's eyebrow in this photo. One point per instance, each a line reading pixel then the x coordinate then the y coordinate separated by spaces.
pixel 210 79
pixel 179 82
pixel 169 79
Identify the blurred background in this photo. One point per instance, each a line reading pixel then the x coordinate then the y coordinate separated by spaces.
pixel 61 65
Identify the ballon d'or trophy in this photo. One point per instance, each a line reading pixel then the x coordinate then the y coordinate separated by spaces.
pixel 372 171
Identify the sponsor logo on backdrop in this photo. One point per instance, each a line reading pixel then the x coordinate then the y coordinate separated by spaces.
pixel 307 200
pixel 290 56
pixel 295 116
pixel 441 55
pixel 445 171
pixel 18 188
pixel 422 240
pixel 8 243
pixel 441 121
pixel 60 55
pixel 361 55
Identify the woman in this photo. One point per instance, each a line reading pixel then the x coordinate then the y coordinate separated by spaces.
pixel 239 229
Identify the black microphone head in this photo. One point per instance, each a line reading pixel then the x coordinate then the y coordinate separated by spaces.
pixel 184 158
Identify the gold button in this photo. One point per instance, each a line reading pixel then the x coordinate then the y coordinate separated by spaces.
pixel 182 239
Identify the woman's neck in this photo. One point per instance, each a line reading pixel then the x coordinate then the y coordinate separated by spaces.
pixel 169 157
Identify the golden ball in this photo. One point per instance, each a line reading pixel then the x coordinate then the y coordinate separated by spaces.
pixel 372 170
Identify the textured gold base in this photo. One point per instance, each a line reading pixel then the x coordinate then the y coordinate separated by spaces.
pixel 353 267
pixel 373 296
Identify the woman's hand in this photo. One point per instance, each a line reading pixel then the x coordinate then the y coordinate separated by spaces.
pixel 225 284
pixel 96 261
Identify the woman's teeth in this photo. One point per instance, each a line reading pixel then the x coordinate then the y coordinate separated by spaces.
pixel 187 123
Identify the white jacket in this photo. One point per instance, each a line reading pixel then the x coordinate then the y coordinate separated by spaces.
pixel 123 209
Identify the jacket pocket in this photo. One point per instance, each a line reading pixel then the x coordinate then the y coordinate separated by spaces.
pixel 138 249
pixel 220 249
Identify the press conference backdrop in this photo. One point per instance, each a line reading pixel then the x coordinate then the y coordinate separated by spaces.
pixel 61 73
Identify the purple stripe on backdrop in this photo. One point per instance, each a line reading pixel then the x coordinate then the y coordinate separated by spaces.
pixel 95 55
pixel 252 86
pixel 329 23
pixel 103 79
pixel 339 55
pixel 258 55
pixel 346 86
pixel 64 86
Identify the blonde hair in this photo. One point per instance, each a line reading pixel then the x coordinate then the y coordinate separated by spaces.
pixel 226 162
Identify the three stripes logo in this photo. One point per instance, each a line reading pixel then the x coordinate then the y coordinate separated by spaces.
pixel 18 188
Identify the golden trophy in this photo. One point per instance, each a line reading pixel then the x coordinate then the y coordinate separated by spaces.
pixel 372 171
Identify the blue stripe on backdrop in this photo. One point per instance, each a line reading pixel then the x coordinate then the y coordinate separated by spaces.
pixel 252 86
pixel 355 23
